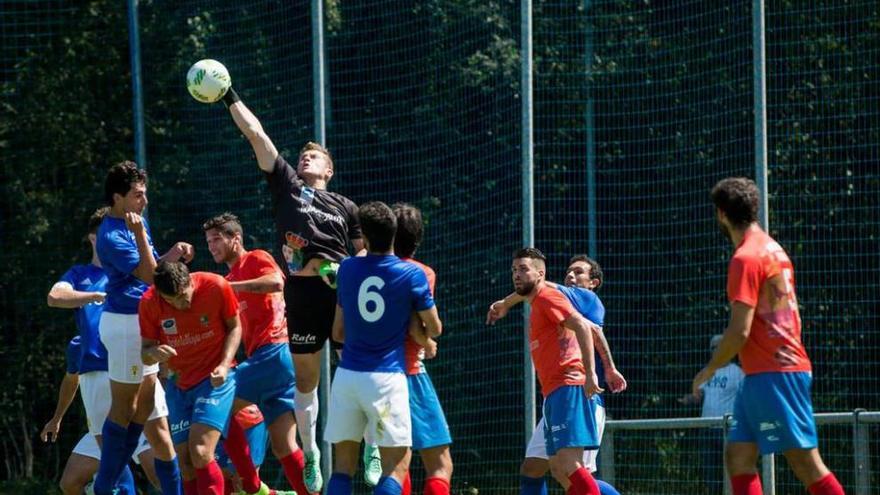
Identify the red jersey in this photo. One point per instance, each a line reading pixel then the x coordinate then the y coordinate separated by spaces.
pixel 262 315
pixel 555 350
pixel 760 275
pixel 413 352
pixel 198 333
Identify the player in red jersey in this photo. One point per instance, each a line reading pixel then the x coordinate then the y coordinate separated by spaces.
pixel 561 344
pixel 266 378
pixel 773 411
pixel 191 323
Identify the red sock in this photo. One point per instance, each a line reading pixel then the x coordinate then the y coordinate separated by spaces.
pixel 407 485
pixel 436 486
pixel 293 466
pixel 239 454
pixel 746 484
pixel 582 483
pixel 826 486
pixel 190 487
pixel 210 479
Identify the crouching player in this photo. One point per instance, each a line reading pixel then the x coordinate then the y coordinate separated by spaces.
pixel 191 323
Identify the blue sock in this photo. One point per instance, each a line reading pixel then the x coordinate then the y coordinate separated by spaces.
pixel 387 486
pixel 606 489
pixel 532 486
pixel 168 473
pixel 340 484
pixel 133 437
pixel 125 483
pixel 113 458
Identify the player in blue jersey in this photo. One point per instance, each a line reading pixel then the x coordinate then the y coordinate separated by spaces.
pixel 82 288
pixel 83 461
pixel 126 252
pixel 583 278
pixel 377 295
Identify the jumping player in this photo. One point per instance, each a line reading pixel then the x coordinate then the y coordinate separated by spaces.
pixel 773 411
pixel 313 229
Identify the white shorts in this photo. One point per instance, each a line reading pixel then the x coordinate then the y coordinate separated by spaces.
pixel 88 447
pixel 95 389
pixel 372 402
pixel 121 335
pixel 538 449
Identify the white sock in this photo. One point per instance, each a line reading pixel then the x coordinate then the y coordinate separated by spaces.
pixel 306 411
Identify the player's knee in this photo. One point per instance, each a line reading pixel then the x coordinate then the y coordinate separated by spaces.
pixel 741 459
pixel 533 467
pixel 72 484
pixel 807 465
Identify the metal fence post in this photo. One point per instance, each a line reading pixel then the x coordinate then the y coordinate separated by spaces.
pixel 725 425
pixel 320 115
pixel 137 89
pixel 606 456
pixel 861 454
pixel 759 78
pixel 768 474
pixel 528 198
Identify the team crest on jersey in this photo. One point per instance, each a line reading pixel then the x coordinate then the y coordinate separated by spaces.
pixel 204 320
pixel 169 326
pixel 295 241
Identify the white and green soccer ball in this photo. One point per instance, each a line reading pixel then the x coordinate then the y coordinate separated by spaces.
pixel 208 80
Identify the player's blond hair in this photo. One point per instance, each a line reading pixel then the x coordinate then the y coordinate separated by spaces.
pixel 313 146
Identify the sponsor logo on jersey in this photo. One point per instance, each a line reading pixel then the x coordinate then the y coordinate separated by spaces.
pixel 169 326
pixel 307 195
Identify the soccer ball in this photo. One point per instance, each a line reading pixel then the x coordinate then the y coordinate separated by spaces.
pixel 208 80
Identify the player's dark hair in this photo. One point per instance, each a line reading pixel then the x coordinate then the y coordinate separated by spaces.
pixel 409 229
pixel 595 270
pixel 171 277
pixel 379 225
pixel 120 178
pixel 227 223
pixel 529 252
pixel 737 197
pixel 96 219
pixel 313 146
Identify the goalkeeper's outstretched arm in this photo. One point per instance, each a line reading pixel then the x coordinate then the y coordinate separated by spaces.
pixel 250 126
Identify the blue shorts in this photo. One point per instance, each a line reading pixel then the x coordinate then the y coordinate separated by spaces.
pixel 202 404
pixel 774 410
pixel 267 380
pixel 429 428
pixel 257 438
pixel 570 420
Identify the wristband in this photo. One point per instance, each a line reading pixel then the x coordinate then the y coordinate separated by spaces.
pixel 230 97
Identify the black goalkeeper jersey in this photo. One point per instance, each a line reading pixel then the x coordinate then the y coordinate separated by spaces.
pixel 309 223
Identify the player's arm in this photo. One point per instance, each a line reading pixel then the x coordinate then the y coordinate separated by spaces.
pixel 691 399
pixel 63 295
pixel 338 325
pixel 499 309
pixel 66 394
pixel 616 381
pixel 431 319
pixel 417 333
pixel 146 263
pixel 153 352
pixel 230 347
pixel 735 336
pixel 266 284
pixel 252 129
pixel 583 331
